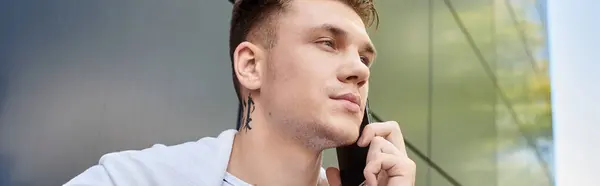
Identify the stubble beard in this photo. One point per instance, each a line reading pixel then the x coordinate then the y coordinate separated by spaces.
pixel 314 135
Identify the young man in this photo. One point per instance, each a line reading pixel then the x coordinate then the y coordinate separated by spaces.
pixel 301 70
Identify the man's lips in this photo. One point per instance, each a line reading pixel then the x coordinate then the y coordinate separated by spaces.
pixel 353 99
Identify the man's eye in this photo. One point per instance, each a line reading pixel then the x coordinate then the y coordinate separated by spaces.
pixel 328 43
pixel 365 60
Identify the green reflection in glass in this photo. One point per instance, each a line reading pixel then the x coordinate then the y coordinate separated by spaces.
pixel 399 79
pixel 463 126
pixel 423 171
pixel 524 116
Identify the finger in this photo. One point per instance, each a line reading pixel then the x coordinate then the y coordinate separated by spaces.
pixel 383 162
pixel 333 176
pixel 383 129
pixel 381 145
pixel 403 173
pixel 389 130
pixel 378 146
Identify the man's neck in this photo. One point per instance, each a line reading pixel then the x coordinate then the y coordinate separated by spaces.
pixel 263 157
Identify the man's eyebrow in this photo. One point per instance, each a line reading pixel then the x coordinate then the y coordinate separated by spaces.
pixel 341 33
pixel 369 48
pixel 334 30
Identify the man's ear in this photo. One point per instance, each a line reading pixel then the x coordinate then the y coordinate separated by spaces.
pixel 248 59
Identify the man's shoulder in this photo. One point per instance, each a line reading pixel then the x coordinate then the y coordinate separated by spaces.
pixel 175 153
pixel 160 164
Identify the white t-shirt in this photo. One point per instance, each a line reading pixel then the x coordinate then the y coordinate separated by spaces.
pixel 231 180
pixel 161 165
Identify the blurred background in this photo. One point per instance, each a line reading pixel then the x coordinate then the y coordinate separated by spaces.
pixel 466 79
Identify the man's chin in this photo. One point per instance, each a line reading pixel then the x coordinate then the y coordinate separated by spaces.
pixel 350 140
pixel 340 131
pixel 346 136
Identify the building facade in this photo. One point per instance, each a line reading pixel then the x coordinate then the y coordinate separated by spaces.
pixel 466 79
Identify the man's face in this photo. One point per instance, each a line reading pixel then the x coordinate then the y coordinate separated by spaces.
pixel 315 83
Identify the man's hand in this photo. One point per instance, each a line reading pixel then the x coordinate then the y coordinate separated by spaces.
pixel 387 161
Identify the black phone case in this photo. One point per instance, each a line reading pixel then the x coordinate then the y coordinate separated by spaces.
pixel 352 158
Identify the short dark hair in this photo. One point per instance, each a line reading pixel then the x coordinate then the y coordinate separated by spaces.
pixel 255 20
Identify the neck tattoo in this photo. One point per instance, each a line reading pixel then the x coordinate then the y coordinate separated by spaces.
pixel 246 120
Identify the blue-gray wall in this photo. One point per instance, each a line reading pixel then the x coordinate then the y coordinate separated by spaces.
pixel 83 78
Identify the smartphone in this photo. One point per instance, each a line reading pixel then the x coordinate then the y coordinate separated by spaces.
pixel 352 159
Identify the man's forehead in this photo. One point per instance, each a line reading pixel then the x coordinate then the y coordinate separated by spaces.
pixel 310 14
pixel 331 10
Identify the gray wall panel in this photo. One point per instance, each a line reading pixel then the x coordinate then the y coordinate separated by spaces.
pixel 92 77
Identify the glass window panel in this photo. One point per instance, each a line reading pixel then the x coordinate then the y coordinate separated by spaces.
pixel 476 17
pixel 463 95
pixel 438 180
pixel 518 163
pixel 423 170
pixel 399 79
pixel 522 69
pixel 524 113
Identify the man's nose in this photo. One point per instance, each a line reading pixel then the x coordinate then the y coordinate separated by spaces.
pixel 354 71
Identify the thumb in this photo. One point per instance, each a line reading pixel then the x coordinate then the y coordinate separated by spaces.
pixel 333 176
